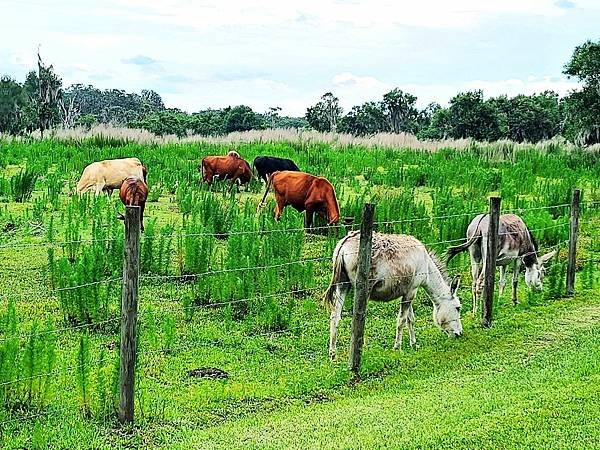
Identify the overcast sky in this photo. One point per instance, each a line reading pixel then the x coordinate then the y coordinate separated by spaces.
pixel 262 53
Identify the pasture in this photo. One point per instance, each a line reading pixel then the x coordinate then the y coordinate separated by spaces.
pixel 225 287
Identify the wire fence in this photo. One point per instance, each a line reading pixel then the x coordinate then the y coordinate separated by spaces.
pixel 148 279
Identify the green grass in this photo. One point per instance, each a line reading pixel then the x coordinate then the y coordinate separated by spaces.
pixel 510 386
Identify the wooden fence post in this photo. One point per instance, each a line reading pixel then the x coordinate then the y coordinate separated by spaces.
pixel 361 288
pixel 573 234
pixel 131 269
pixel 490 263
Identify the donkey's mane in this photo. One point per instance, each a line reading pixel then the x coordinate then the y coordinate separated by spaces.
pixel 440 266
pixel 530 257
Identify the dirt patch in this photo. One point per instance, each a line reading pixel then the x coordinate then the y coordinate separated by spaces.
pixel 208 372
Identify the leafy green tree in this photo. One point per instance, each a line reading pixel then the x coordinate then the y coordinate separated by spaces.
pixel 207 123
pixel 369 118
pixel 13 105
pixel 241 118
pixel 400 111
pixel 440 125
pixel 582 108
pixel 530 118
pixel 325 115
pixel 272 116
pixel 472 117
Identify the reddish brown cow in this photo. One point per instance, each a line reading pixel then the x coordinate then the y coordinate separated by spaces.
pixel 134 192
pixel 230 167
pixel 304 192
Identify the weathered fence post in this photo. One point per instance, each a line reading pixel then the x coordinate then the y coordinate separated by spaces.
pixel 573 234
pixel 361 288
pixel 490 263
pixel 131 268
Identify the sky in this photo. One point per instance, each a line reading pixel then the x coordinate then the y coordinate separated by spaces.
pixel 267 53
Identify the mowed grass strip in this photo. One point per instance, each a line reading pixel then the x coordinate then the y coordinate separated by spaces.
pixel 538 386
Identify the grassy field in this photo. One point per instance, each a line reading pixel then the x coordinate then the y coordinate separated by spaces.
pixel 225 287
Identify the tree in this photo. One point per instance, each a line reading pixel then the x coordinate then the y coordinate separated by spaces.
pixel 529 118
pixel 363 120
pixel 45 91
pixel 13 104
pixel 582 108
pixel 440 126
pixel 471 116
pixel 241 118
pixel 325 115
pixel 272 116
pixel 400 111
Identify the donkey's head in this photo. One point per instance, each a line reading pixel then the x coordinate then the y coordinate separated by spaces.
pixel 534 274
pixel 446 313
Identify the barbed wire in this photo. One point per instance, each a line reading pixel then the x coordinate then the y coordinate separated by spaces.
pixel 51 410
pixel 57 371
pixel 60 330
pixel 59 290
pixel 262 232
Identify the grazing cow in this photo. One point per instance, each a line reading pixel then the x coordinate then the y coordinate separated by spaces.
pixel 109 174
pixel 266 165
pixel 304 192
pixel 400 264
pixel 134 192
pixel 516 244
pixel 231 167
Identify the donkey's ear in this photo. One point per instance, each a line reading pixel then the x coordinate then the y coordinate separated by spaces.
pixel 545 258
pixel 455 284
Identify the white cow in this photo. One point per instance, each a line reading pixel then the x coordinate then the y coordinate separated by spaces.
pixel 109 174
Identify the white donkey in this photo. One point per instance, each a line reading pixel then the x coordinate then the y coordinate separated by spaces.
pixel 400 265
pixel 516 244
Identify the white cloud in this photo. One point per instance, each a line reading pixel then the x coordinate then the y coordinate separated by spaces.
pixel 425 13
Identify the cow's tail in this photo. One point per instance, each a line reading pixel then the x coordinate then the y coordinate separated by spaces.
pixel 339 276
pixel 145 173
pixel 269 183
pixel 455 250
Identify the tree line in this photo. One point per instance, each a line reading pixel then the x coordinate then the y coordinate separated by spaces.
pixel 41 103
pixel 521 118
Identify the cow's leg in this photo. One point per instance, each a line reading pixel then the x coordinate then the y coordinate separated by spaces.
pixel 502 281
pixel 515 280
pixel 279 205
pixel 308 219
pixel 98 188
pixel 336 315
pixel 142 208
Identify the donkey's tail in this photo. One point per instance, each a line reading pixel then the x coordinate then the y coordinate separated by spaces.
pixel 453 251
pixel 340 275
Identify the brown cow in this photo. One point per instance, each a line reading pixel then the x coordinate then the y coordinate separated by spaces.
pixel 134 192
pixel 304 192
pixel 231 167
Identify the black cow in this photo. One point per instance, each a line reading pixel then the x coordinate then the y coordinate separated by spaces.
pixel 266 165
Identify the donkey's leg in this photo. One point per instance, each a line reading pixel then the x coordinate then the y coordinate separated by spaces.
pixel 475 270
pixel 400 322
pixel 411 327
pixel 502 281
pixel 335 317
pixel 515 280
